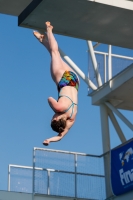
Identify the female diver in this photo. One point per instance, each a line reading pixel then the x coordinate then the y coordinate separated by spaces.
pixel 67 82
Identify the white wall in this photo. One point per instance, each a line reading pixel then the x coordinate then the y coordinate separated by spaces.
pixel 4 195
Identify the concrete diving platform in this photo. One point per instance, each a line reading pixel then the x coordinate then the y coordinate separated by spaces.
pixel 118 91
pixel 108 22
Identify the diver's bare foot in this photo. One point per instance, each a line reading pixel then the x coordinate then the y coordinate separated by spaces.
pixel 40 37
pixel 48 26
pixel 46 142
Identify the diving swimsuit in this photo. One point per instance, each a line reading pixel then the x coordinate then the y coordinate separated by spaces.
pixel 68 79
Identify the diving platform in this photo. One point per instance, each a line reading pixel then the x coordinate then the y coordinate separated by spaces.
pixel 103 21
pixel 13 7
pixel 117 91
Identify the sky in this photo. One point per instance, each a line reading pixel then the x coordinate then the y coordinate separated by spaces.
pixel 25 85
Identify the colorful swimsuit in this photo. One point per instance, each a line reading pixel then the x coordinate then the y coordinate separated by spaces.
pixel 68 79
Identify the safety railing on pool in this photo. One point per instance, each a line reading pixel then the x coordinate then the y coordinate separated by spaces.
pixel 60 173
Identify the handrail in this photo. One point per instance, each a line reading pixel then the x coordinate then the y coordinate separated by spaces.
pixel 68 152
pixel 55 170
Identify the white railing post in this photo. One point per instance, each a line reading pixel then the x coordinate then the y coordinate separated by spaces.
pixel 9 178
pixel 105 69
pixel 75 156
pixel 48 186
pixel 33 179
pixel 110 63
pixel 94 61
pixel 106 147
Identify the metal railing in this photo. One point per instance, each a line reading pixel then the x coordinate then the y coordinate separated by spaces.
pixel 20 178
pixel 60 173
pixel 119 63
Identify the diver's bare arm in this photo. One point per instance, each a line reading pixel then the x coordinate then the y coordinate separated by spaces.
pixel 55 138
pixel 54 105
pixel 60 135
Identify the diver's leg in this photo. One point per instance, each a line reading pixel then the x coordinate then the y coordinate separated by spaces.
pixel 42 39
pixel 58 66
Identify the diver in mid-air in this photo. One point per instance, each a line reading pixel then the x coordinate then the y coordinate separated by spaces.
pixel 67 82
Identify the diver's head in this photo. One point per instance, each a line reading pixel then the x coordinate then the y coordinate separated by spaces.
pixel 58 123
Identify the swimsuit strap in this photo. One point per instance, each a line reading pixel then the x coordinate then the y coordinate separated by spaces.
pixel 72 105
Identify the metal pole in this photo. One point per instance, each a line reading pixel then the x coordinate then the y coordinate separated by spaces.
pixel 94 61
pixel 110 63
pixel 116 126
pixel 77 69
pixel 124 119
pixel 96 45
pixel 105 71
pixel 66 152
pixel 48 189
pixel 9 178
pixel 33 179
pixel 75 175
pixel 106 147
